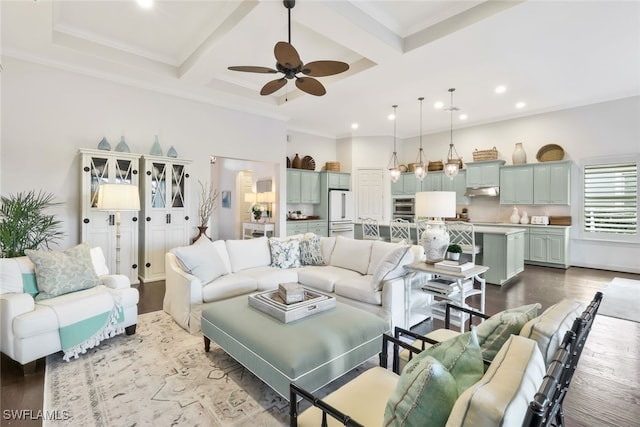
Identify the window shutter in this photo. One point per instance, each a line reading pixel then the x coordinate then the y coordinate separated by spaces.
pixel 611 198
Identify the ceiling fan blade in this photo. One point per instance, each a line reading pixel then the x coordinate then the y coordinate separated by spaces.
pixel 310 85
pixel 324 68
pixel 273 86
pixel 287 55
pixel 252 69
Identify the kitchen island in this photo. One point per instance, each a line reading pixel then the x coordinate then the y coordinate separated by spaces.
pixel 503 249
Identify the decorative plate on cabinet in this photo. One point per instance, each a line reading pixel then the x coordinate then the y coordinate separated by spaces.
pixel 308 163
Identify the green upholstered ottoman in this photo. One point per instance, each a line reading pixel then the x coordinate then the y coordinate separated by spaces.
pixel 310 352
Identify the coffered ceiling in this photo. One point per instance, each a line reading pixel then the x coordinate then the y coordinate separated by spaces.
pixel 549 55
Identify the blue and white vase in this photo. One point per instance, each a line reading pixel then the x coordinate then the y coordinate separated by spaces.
pixel 171 152
pixel 122 146
pixel 104 145
pixel 156 150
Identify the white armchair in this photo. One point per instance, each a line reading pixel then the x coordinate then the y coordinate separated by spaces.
pixel 29 329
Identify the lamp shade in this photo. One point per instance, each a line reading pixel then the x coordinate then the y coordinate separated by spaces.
pixel 436 204
pixel 266 197
pixel 250 197
pixel 118 197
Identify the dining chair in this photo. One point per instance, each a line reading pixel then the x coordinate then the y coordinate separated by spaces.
pixel 400 231
pixel 463 234
pixel 370 229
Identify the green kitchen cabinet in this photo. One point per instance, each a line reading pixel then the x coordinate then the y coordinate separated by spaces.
pixel 549 246
pixel 303 186
pixel 484 174
pixel 552 183
pixel 516 185
pixel 296 227
pixel 339 180
pixel 457 184
pixel 321 228
pixel 502 252
pixel 406 185
pixel 433 181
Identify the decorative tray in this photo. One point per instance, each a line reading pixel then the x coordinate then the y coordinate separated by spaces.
pixel 271 303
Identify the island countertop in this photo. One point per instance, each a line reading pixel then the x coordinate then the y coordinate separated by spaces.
pixel 497 230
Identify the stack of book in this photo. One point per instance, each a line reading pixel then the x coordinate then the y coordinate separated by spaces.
pixel 458 266
pixel 447 287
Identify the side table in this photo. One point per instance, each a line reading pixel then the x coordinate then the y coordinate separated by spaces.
pixel 458 296
pixel 263 228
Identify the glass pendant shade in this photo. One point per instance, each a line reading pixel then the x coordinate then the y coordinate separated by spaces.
pixel 420 167
pixel 394 164
pixel 453 163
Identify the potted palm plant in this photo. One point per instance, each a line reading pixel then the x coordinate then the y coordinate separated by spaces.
pixel 454 251
pixel 25 225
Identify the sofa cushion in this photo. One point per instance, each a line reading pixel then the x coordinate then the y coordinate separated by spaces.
pixel 270 277
pixel 326 246
pixel 494 332
pixel 549 328
pixel 392 265
pixel 285 253
pixel 360 289
pixel 503 394
pixel 352 254
pixel 204 259
pixel 311 251
pixel 229 286
pixel 461 356
pixel 99 261
pixel 62 272
pixel 248 253
pixel 424 396
pixel 379 250
pixel 323 278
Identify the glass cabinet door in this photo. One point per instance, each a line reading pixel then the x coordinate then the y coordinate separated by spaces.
pixel 99 172
pixel 177 186
pixel 158 185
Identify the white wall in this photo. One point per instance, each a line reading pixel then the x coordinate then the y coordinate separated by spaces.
pixel 321 149
pixel 603 129
pixel 48 114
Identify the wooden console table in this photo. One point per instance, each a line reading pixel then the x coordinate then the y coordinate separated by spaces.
pixel 261 228
pixel 458 296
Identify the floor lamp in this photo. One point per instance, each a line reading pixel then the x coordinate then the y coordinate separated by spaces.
pixel 118 198
pixel 435 205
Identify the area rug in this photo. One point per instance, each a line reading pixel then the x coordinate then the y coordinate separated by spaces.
pixel 161 376
pixel 621 299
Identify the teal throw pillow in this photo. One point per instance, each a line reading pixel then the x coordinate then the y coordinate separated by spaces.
pixel 495 331
pixel 424 395
pixel 62 272
pixel 461 356
pixel 310 251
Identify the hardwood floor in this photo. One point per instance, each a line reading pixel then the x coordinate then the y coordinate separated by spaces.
pixel 605 389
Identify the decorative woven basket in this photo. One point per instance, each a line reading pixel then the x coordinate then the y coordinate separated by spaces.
pixel 411 167
pixel 333 166
pixel 550 153
pixel 435 166
pixel 480 155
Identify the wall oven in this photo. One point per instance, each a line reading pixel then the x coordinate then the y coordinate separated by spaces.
pixel 404 207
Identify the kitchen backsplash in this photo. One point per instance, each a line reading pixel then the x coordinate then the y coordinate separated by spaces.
pixel 487 209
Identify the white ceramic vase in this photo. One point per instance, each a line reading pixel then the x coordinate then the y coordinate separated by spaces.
pixel 514 218
pixel 435 240
pixel 525 218
pixel 519 156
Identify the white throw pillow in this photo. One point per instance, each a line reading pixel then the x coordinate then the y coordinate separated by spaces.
pixel 392 265
pixel 326 246
pixel 379 250
pixel 204 259
pixel 285 254
pixel 249 253
pixel 351 254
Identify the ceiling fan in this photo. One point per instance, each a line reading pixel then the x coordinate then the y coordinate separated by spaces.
pixel 288 63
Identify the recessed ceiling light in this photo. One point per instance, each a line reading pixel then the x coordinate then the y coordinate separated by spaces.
pixel 438 105
pixel 354 126
pixel 520 105
pixel 500 89
pixel 463 117
pixel 145 4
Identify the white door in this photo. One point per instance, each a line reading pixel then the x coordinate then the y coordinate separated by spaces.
pixel 371 194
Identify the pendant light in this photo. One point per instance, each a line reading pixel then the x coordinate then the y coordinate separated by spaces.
pixel 453 163
pixel 394 164
pixel 420 167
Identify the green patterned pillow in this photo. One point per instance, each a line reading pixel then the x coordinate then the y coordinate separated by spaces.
pixel 285 253
pixel 424 396
pixel 461 356
pixel 62 272
pixel 496 330
pixel 310 251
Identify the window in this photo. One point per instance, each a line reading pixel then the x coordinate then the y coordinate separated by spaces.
pixel 611 198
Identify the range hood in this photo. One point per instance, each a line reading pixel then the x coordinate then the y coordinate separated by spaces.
pixel 483 191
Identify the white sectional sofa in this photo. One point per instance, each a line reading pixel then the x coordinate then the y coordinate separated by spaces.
pixel 363 273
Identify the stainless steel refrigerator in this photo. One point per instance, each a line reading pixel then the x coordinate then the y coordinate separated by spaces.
pixel 341 213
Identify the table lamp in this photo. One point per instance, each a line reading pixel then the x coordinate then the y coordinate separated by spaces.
pixel 267 197
pixel 118 198
pixel 435 205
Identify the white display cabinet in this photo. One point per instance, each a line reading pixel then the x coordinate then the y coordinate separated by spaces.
pixel 165 222
pixel 98 228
